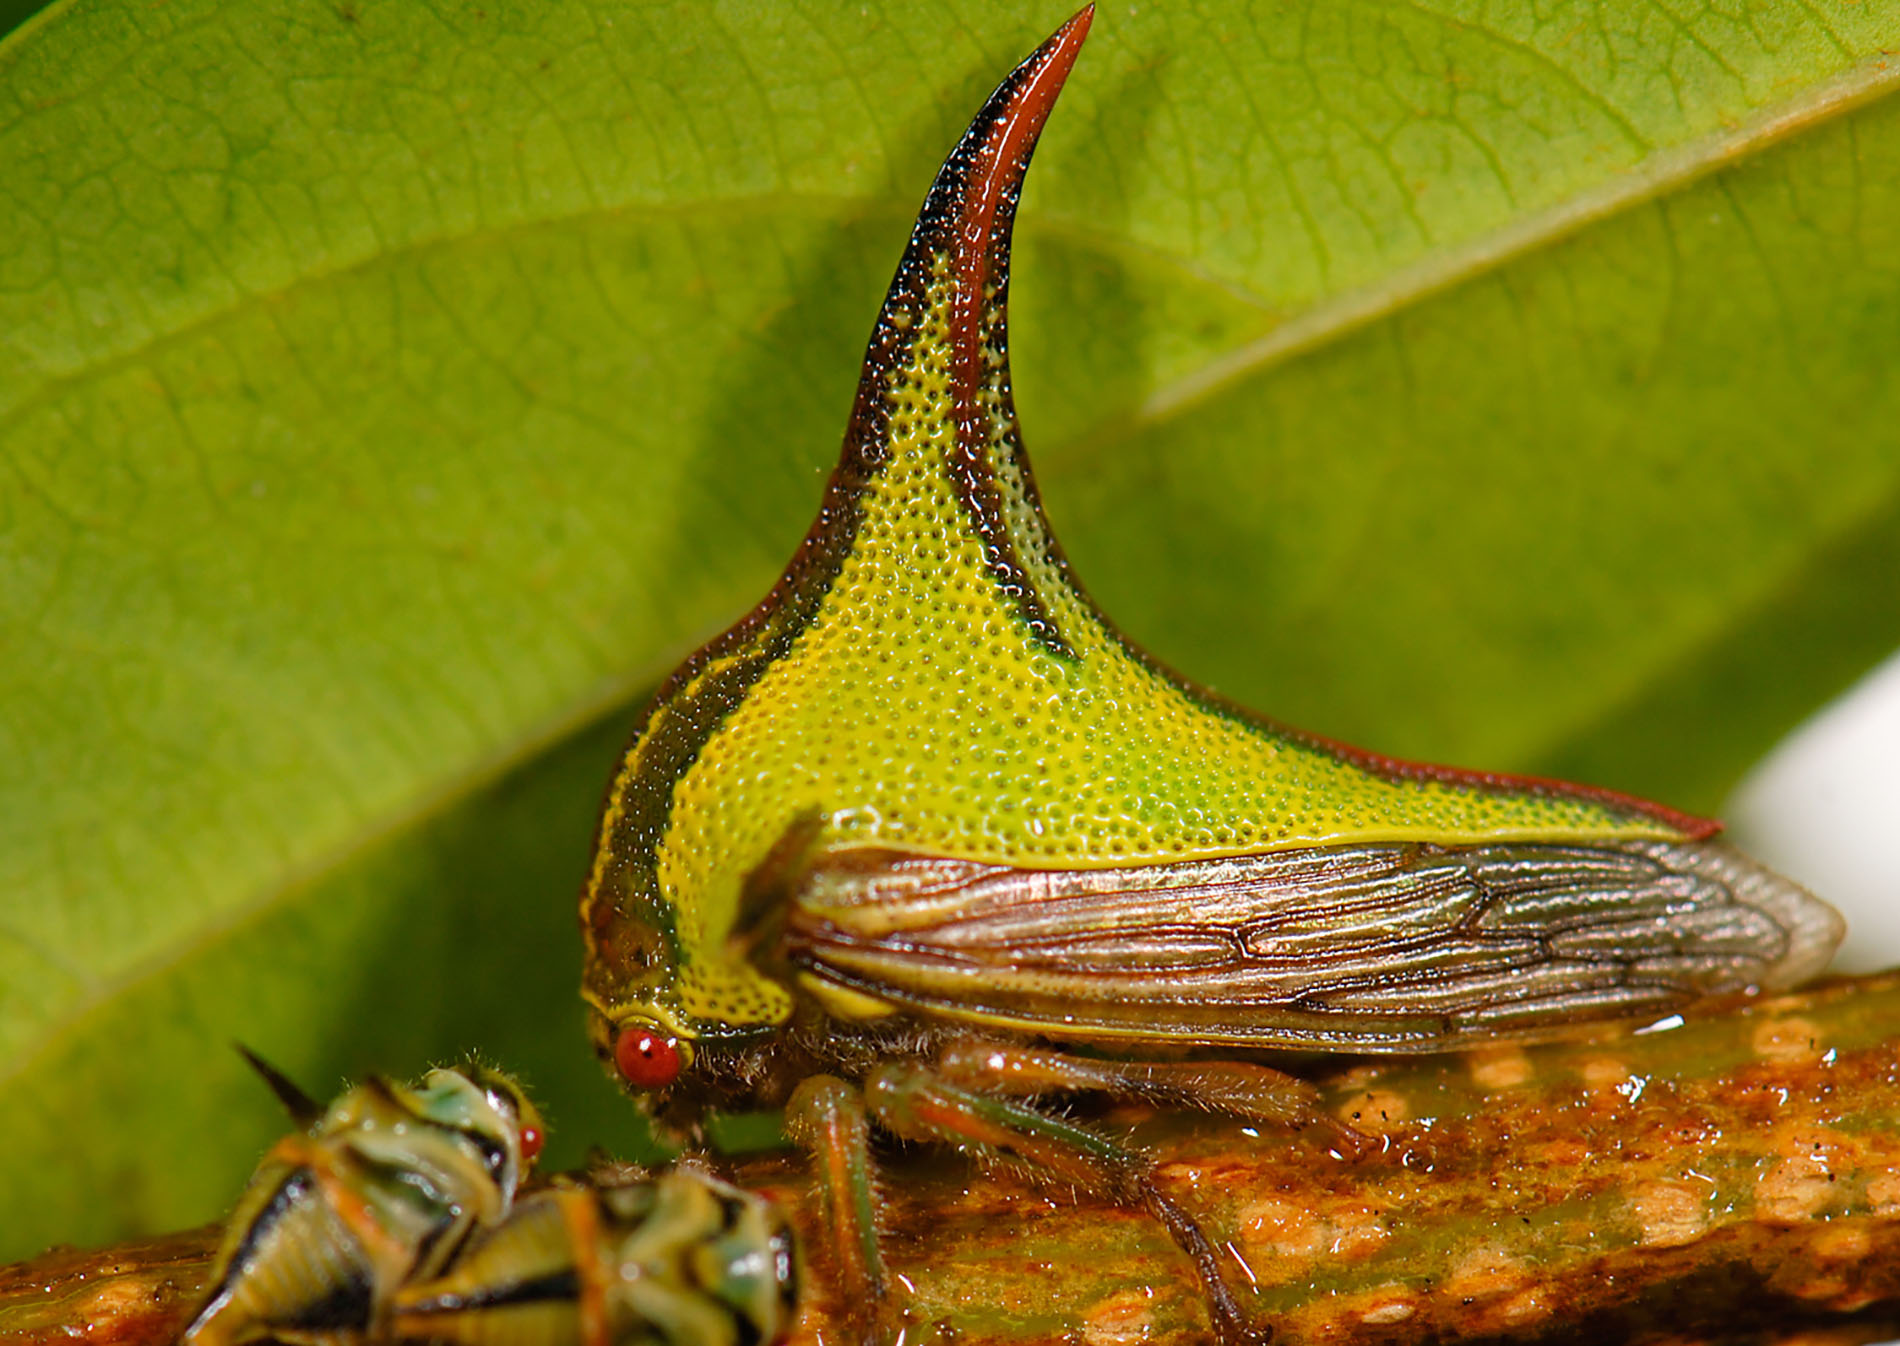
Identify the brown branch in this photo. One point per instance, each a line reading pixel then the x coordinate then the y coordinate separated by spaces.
pixel 1735 1179
pixel 131 1294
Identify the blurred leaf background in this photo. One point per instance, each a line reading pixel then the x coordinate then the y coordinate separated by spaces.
pixel 390 394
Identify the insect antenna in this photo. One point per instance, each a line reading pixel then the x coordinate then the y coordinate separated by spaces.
pixel 303 1109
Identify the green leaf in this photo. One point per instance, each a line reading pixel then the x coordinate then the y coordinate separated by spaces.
pixel 390 394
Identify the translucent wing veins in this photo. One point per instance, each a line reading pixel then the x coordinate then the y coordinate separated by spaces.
pixel 1398 947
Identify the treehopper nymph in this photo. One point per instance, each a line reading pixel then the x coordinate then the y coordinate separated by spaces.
pixel 396 1214
pixel 923 840
pixel 380 1188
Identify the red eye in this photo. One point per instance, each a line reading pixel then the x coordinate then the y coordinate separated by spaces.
pixel 647 1060
pixel 531 1142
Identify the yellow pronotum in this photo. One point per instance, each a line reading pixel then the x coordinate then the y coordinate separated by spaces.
pixel 928 677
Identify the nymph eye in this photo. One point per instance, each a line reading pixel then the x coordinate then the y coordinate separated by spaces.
pixel 531 1143
pixel 645 1059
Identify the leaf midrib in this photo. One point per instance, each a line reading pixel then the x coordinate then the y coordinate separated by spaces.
pixel 1340 316
pixel 1329 320
pixel 52 385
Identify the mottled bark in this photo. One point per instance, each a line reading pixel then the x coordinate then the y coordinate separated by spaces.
pixel 1735 1179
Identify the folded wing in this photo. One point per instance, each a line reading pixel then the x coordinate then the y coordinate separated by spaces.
pixel 1386 948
